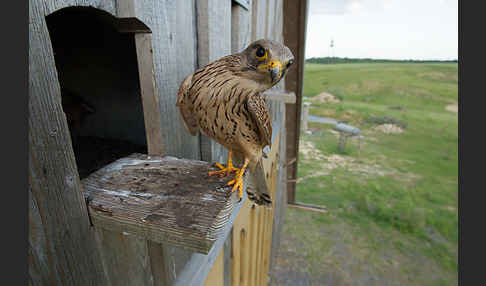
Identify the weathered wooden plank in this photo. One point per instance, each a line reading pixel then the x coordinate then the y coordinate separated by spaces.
pixel 240 27
pixel 257 246
pixel 163 199
pixel 37 255
pixel 295 22
pixel 187 269
pixel 280 198
pixel 213 30
pixel 270 20
pixel 186 63
pixel 157 263
pixel 126 8
pixel 271 169
pixel 213 42
pixel 150 99
pixel 173 42
pixel 240 255
pixel 278 21
pixel 63 235
pixel 252 231
pixel 259 19
pixel 50 6
pixel 125 258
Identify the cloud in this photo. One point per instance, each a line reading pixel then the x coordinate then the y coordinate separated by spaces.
pixel 340 7
pixel 333 7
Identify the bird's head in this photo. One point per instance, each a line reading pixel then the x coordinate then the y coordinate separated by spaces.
pixel 267 62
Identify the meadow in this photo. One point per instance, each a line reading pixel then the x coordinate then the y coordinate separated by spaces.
pixel 392 194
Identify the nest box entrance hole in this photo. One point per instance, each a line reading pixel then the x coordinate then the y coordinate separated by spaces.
pixel 100 86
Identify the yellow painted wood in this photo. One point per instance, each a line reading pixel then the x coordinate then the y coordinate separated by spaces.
pixel 215 276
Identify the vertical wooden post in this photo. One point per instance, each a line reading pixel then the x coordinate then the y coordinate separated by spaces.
pixel 343 137
pixel 62 249
pixel 240 27
pixel 295 23
pixel 305 115
pixel 151 108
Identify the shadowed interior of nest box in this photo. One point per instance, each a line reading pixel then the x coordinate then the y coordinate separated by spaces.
pixel 100 88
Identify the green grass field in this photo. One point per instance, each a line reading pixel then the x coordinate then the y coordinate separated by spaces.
pixel 392 203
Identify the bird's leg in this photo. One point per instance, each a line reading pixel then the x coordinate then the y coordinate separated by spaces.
pixel 237 182
pixel 230 168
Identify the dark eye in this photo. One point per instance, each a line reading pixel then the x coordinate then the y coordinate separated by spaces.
pixel 260 53
pixel 291 62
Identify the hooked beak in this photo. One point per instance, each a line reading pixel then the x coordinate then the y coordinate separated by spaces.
pixel 275 69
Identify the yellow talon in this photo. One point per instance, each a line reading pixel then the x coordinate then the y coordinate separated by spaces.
pixel 219 166
pixel 228 170
pixel 237 182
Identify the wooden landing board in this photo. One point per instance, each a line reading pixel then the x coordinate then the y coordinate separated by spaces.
pixel 163 199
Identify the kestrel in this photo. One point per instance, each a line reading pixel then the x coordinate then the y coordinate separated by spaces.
pixel 224 100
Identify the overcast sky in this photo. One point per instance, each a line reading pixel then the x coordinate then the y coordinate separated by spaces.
pixel 385 29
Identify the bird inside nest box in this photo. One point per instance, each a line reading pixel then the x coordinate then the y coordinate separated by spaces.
pixel 225 101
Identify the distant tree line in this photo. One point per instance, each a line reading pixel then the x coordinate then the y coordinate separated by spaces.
pixel 337 60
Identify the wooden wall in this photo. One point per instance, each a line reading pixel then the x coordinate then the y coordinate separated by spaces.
pixel 183 35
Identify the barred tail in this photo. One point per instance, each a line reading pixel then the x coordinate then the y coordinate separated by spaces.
pixel 257 189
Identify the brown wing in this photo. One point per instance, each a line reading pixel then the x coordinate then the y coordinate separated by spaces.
pixel 261 116
pixel 184 103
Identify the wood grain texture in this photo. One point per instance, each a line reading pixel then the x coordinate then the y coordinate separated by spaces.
pixel 270 19
pixel 125 257
pixel 62 248
pixel 174 38
pixel 120 251
pixel 213 42
pixel 187 269
pixel 252 231
pixel 259 19
pixel 295 23
pixel 50 6
pixel 270 165
pixel 150 99
pixel 37 255
pixel 53 174
pixel 163 199
pixel 280 197
pixel 157 263
pixel 174 56
pixel 240 247
pixel 240 27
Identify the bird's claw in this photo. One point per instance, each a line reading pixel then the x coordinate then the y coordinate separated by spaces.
pixel 237 183
pixel 223 171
